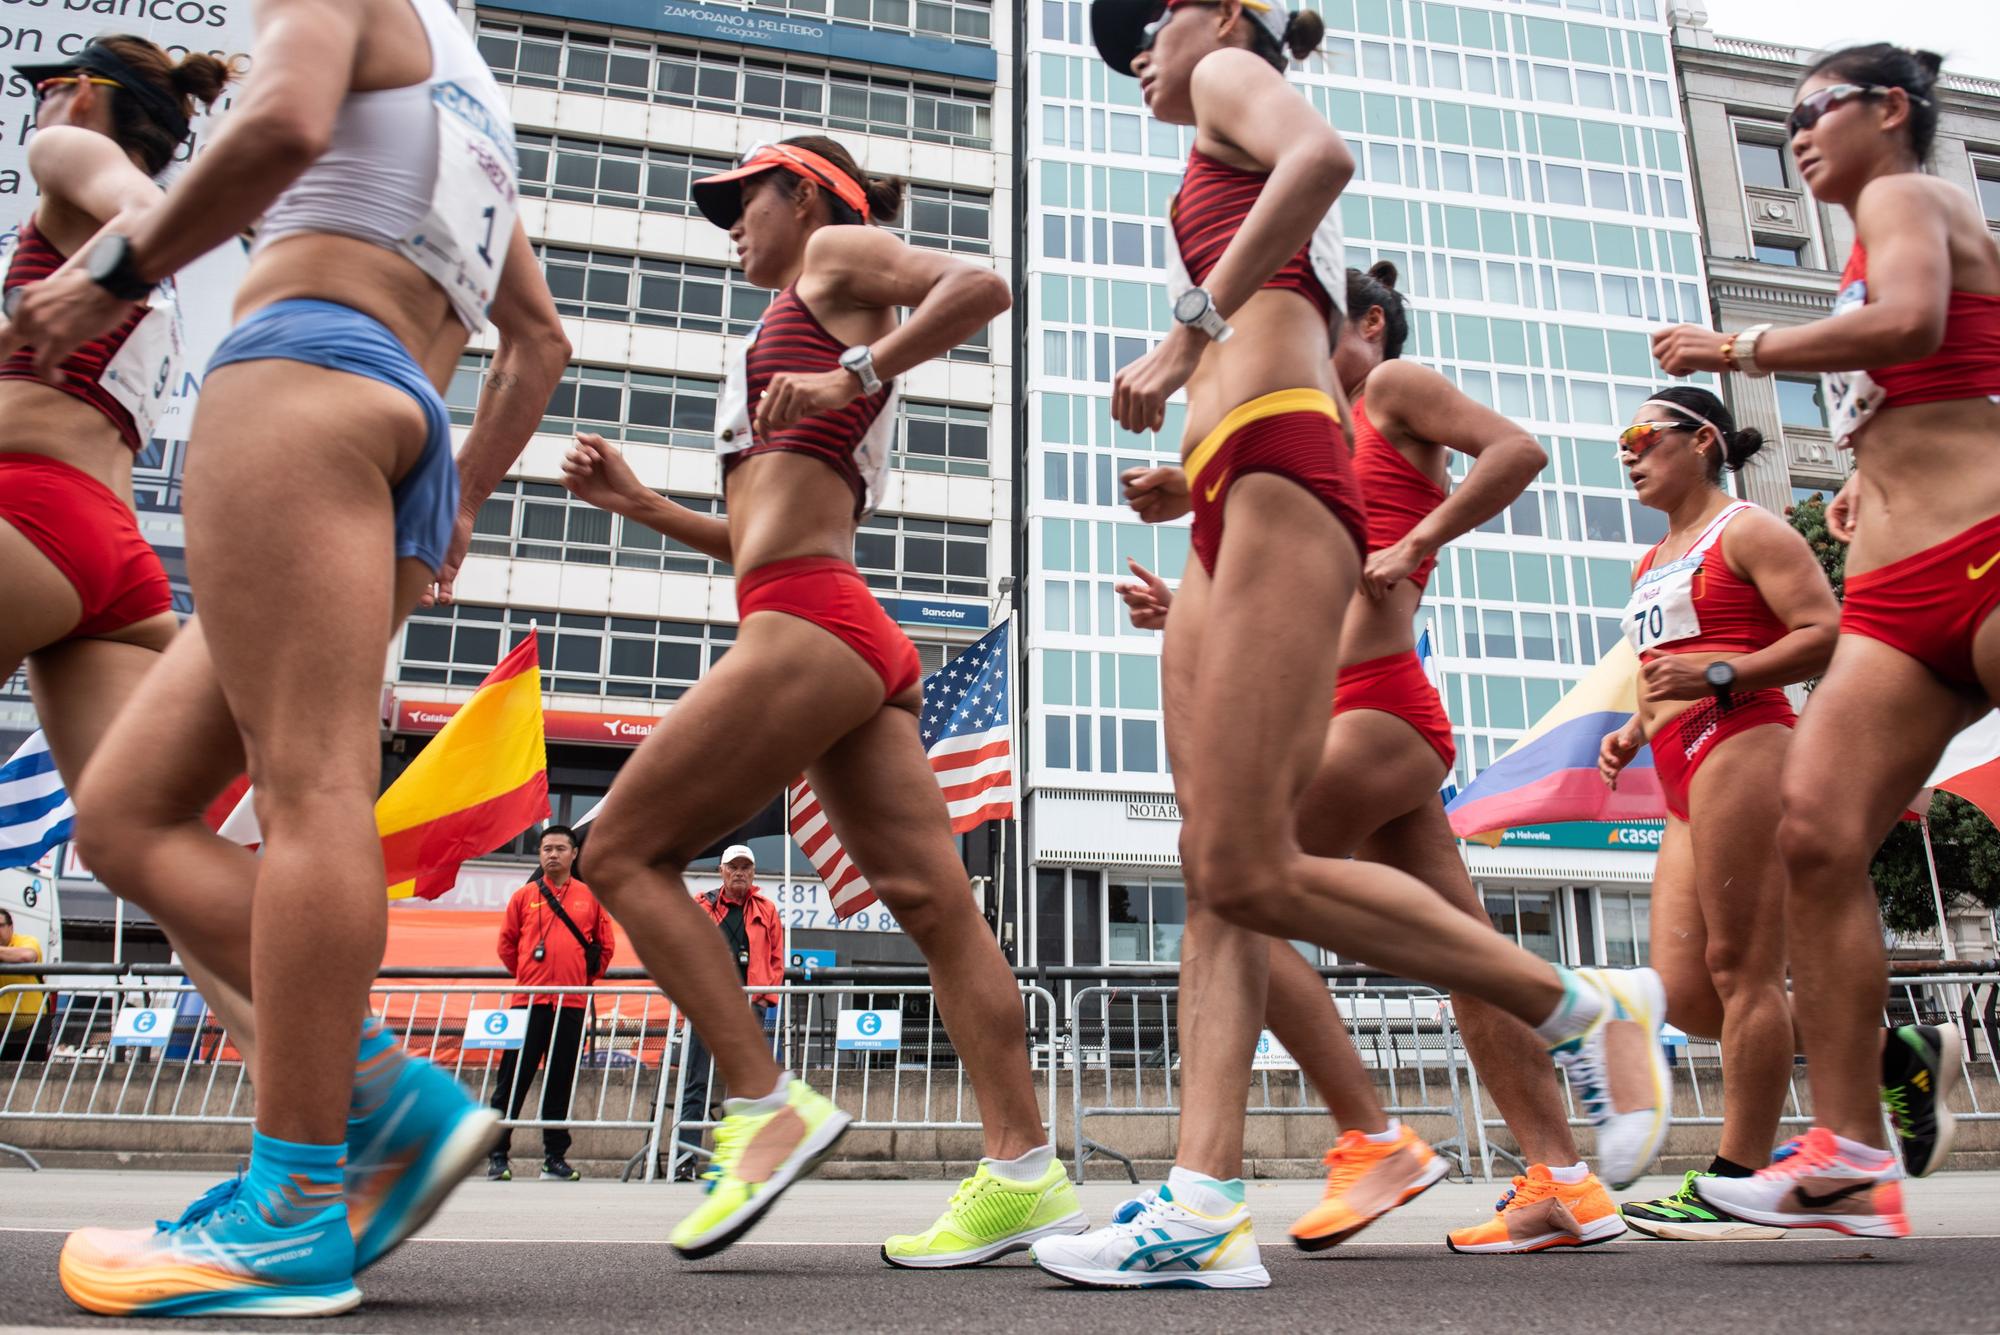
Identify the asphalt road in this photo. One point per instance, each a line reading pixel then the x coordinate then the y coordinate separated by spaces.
pixel 483 1275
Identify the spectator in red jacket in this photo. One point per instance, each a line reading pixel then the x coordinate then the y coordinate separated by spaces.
pixel 556 935
pixel 749 923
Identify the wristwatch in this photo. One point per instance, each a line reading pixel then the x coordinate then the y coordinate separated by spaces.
pixel 1744 346
pixel 861 362
pixel 110 266
pixel 1721 678
pixel 1196 308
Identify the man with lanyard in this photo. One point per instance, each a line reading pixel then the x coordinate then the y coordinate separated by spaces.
pixel 749 924
pixel 556 934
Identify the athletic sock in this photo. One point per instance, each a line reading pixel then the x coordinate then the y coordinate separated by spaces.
pixel 1387 1136
pixel 1028 1169
pixel 1579 1008
pixel 1572 1175
pixel 376 1066
pixel 1863 1156
pixel 289 1182
pixel 1211 1196
pixel 1721 1167
pixel 770 1103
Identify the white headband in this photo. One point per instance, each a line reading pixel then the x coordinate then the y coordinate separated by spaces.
pixel 1675 407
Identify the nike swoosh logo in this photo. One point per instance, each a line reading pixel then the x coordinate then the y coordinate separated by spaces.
pixel 1808 1199
pixel 1223 481
pixel 1971 571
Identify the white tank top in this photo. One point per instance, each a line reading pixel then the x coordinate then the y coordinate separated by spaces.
pixel 427 170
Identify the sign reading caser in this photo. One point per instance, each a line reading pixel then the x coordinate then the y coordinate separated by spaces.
pixel 783 32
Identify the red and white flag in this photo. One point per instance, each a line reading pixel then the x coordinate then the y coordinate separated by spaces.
pixel 967 725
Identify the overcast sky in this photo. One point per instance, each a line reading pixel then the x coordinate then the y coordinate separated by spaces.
pixel 1965 32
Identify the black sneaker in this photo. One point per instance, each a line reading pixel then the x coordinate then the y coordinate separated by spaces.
pixel 1684 1217
pixel 1920 1068
pixel 498 1169
pixel 558 1170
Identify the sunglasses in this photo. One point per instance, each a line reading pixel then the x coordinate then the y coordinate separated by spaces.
pixel 1813 106
pixel 1636 439
pixel 48 88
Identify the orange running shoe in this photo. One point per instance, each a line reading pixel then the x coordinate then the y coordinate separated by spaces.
pixel 1364 1181
pixel 1538 1213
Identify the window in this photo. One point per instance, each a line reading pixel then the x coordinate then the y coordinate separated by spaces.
pixel 1763 165
pixel 668 294
pixel 947 219
pixel 591 171
pixel 540 521
pixel 1986 179
pixel 623 405
pixel 737 84
pixel 629 657
pixel 1627 927
pixel 1147 918
pixel 901 554
pixel 1526 917
pixel 1800 402
pixel 1789 256
pixel 970 20
pixel 941 438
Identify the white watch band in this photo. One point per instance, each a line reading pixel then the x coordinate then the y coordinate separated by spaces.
pixel 860 362
pixel 1746 350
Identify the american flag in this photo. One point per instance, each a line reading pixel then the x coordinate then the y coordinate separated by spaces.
pixel 967 729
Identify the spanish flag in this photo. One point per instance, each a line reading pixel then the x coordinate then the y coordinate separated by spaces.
pixel 482 780
pixel 1551 773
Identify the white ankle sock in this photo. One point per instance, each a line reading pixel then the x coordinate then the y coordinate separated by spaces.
pixel 1571 1175
pixel 1029 1168
pixel 1204 1194
pixel 770 1103
pixel 1390 1136
pixel 1863 1156
pixel 1579 1008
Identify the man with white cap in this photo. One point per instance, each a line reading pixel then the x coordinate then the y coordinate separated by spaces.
pixel 749 924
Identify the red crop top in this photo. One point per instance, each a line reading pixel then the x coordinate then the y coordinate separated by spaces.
pixel 792 340
pixel 34 260
pixel 1965 366
pixel 1213 199
pixel 1734 616
pixel 1398 496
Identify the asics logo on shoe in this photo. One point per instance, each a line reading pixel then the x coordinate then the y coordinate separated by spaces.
pixel 1821 1200
pixel 1184 1250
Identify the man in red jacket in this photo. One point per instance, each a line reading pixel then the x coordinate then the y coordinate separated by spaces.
pixel 556 935
pixel 749 924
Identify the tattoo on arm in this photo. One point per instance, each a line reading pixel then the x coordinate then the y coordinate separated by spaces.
pixel 501 380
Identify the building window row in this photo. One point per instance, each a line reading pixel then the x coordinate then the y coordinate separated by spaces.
pixel 965 20
pixel 634 658
pixel 736 85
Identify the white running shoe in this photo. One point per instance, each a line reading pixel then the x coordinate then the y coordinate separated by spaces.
pixel 1157 1242
pixel 1619 1072
pixel 1812 1184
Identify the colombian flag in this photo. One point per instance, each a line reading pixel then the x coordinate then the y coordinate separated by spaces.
pixel 482 780
pixel 1551 773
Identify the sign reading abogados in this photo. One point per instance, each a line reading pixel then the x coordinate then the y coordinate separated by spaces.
pixel 1635 836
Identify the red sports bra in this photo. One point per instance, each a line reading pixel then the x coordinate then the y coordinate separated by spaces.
pixel 792 340
pixel 1213 199
pixel 34 260
pixel 1734 616
pixel 1398 496
pixel 1965 366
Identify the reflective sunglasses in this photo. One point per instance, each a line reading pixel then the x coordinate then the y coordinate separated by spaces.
pixel 48 88
pixel 1640 437
pixel 1815 105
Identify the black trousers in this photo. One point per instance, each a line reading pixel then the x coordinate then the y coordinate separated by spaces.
pixel 700 1066
pixel 557 1033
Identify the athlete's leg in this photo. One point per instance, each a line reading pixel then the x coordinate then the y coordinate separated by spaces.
pixel 1875 727
pixel 1679 934
pixel 40 605
pixel 1300 1011
pixel 782 696
pixel 1512 1062
pixel 1740 880
pixel 882 799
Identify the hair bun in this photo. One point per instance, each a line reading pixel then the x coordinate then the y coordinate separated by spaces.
pixel 1742 446
pixel 1385 273
pixel 1304 31
pixel 1930 62
pixel 200 76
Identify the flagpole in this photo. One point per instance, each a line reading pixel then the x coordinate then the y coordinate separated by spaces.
pixel 1015 658
pixel 1937 892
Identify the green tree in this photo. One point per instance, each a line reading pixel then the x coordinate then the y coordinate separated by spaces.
pixel 1964 841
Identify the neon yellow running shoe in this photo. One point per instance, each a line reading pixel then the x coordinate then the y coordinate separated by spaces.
pixel 988 1217
pixel 757 1155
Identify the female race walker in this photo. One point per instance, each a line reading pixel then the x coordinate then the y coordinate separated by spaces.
pixel 1726 610
pixel 1389 722
pixel 820 681
pixel 87 602
pixel 1911 356
pixel 1252 642
pixel 322 502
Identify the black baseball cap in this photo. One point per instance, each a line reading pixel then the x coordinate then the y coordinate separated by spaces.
pixel 99 59
pixel 1118 27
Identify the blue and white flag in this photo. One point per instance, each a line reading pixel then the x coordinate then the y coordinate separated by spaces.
pixel 35 812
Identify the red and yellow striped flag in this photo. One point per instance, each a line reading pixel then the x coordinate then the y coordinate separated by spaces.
pixel 482 780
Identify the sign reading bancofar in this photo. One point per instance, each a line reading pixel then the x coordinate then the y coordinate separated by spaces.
pixel 42 31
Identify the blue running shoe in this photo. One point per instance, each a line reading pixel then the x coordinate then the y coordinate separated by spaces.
pixel 416 1143
pixel 220 1256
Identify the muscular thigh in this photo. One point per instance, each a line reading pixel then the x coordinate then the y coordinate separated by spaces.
pixel 880 794
pixel 175 746
pixel 1179 656
pixel 1734 806
pixel 1421 842
pixel 79 688
pixel 1373 769
pixel 38 605
pixel 1679 933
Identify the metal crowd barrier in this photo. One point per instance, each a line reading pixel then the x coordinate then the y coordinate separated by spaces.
pixel 1969 1000
pixel 1125 1061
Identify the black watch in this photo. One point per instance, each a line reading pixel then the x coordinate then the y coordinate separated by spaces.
pixel 1721 678
pixel 110 266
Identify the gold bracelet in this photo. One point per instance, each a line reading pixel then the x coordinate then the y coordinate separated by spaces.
pixel 1728 351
